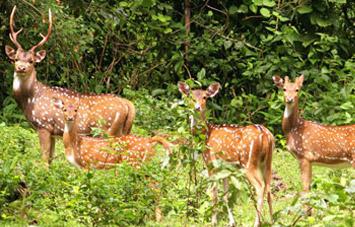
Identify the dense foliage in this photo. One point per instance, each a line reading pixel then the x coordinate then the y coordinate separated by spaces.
pixel 140 49
pixel 105 46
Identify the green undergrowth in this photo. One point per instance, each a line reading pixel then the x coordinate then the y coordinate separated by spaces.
pixel 63 195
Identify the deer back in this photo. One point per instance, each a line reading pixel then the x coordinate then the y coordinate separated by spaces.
pixel 243 146
pixel 323 144
pixel 103 153
pixel 39 110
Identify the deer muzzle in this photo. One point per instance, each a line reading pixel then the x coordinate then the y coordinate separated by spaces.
pixel 289 100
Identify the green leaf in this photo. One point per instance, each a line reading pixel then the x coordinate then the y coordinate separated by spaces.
pixel 233 10
pixel 269 3
pixel 265 12
pixel 201 74
pixel 333 198
pixel 347 106
pixel 351 188
pixel 227 44
pixel 304 9
pixel 123 4
pixel 161 18
pixel 253 8
pixel 147 3
pixel 258 2
pixel 222 174
pixel 243 9
pixel 158 91
pixel 236 182
pixel 167 30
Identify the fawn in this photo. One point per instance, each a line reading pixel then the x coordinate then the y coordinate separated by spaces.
pixel 247 147
pixel 103 153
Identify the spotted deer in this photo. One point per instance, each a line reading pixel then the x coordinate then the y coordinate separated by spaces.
pixel 103 153
pixel 310 142
pixel 247 147
pixel 34 98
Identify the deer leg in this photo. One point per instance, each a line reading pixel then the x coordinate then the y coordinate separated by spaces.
pixel 267 179
pixel 306 177
pixel 158 213
pixel 45 141
pixel 306 174
pixel 257 180
pixel 51 154
pixel 225 197
pixel 214 203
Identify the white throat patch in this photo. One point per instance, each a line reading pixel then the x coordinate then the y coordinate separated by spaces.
pixel 288 110
pixel 17 82
pixel 67 127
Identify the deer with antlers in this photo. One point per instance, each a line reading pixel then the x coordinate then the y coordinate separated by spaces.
pixel 103 153
pixel 34 98
pixel 247 147
pixel 310 142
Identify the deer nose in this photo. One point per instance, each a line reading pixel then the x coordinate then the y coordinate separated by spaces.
pixel 289 99
pixel 71 118
pixel 197 106
pixel 21 68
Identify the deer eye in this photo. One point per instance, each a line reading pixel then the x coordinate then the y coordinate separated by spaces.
pixel 65 110
pixel 31 61
pixel 76 110
pixel 284 89
pixel 297 90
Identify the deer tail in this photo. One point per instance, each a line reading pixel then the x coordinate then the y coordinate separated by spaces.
pixel 167 145
pixel 130 117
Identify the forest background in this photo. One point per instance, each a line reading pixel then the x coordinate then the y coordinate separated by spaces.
pixel 140 49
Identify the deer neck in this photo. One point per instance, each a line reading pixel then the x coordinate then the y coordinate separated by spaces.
pixel 291 117
pixel 24 84
pixel 198 125
pixel 70 138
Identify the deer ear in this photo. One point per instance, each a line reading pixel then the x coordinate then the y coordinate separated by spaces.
pixel 213 89
pixel 40 55
pixel 278 81
pixel 299 80
pixel 58 103
pixel 10 52
pixel 183 88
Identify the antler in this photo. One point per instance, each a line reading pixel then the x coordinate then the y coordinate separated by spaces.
pixel 13 34
pixel 45 38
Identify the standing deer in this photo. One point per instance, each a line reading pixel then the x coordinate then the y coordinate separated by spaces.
pixel 34 98
pixel 103 153
pixel 249 148
pixel 310 142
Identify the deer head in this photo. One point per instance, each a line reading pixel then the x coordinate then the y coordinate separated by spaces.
pixel 199 96
pixel 69 111
pixel 290 89
pixel 24 61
